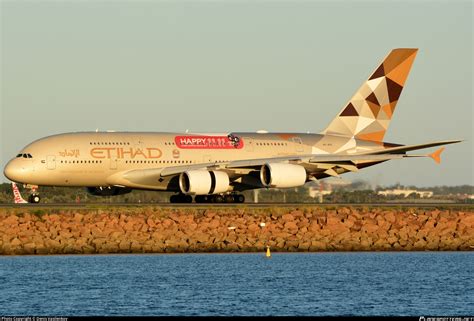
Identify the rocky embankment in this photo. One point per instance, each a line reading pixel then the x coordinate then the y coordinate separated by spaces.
pixel 158 230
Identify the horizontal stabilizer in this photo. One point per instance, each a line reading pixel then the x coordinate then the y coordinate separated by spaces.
pixel 437 155
pixel 407 148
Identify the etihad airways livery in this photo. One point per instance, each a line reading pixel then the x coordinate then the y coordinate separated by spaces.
pixel 216 167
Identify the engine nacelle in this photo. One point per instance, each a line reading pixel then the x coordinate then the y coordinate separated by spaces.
pixel 282 175
pixel 202 182
pixel 108 190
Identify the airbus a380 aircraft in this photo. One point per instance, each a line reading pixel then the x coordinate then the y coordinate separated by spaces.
pixel 216 167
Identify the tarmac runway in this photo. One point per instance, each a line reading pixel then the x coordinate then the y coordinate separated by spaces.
pixel 232 205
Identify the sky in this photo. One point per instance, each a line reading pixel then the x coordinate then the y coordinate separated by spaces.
pixel 208 66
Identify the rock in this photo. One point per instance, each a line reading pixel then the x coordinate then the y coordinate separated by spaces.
pixel 29 248
pixel 369 228
pixel 15 242
pixel 392 240
pixel 151 223
pixel 468 220
pixel 291 226
pixel 124 246
pixel 175 217
pixel 389 216
pixel 288 217
pixel 366 243
pixel 201 237
pixel 87 249
pixel 304 246
pixel 314 227
pixel 291 244
pixel 53 244
pixel 136 247
pixel 333 220
pixel 214 224
pixel 342 236
pixel 41 249
pixel 78 217
pixel 253 228
pixel 52 217
pixel 420 245
pixel 317 246
pixel 336 229
pixel 10 220
pixel 347 229
pixel 349 222
pixel 167 223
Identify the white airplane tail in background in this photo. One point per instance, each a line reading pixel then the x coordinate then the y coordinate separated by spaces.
pixel 17 196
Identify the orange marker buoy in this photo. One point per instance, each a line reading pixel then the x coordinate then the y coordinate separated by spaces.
pixel 269 254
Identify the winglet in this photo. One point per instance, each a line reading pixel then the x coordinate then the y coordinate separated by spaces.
pixel 437 155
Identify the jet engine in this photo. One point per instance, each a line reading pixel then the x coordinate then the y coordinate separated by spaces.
pixel 202 182
pixel 282 175
pixel 108 190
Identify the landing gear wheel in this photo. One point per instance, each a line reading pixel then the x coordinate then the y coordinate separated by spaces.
pixel 34 198
pixel 181 198
pixel 218 199
pixel 239 198
pixel 173 199
pixel 201 199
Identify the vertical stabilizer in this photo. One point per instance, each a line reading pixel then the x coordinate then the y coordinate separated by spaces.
pixel 368 113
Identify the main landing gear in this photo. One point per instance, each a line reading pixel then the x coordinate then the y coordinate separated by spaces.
pixel 217 198
pixel 181 198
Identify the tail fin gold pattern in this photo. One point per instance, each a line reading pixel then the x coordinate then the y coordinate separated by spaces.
pixel 368 113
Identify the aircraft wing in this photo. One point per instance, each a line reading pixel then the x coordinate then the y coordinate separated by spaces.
pixel 327 164
pixel 376 156
pixel 258 162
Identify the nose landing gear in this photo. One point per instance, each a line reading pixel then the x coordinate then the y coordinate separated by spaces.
pixel 34 196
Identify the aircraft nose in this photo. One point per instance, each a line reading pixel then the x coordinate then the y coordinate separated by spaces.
pixel 14 172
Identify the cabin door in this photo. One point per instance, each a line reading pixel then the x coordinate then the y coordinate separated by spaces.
pixel 298 144
pixel 51 162
pixel 248 144
pixel 113 163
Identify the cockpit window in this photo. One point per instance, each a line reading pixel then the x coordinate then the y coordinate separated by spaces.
pixel 24 156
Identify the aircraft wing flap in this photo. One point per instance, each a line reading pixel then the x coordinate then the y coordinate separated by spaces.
pixel 175 170
pixel 248 163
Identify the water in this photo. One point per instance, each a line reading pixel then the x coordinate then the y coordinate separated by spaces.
pixel 417 283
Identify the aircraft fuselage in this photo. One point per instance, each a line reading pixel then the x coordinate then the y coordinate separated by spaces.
pixel 91 158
